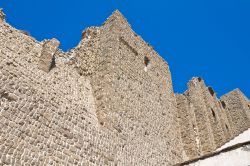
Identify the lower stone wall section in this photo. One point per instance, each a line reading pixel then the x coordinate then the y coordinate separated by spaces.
pixel 236 108
pixel 214 115
pixel 187 122
pixel 207 122
pixel 225 122
pixel 195 95
pixel 47 118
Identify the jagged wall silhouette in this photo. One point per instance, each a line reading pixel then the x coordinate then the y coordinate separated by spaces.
pixel 108 101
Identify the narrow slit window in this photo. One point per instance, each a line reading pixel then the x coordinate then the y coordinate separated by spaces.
pixel 226 127
pixel 146 61
pixel 223 104
pixel 211 91
pixel 213 113
pixel 53 63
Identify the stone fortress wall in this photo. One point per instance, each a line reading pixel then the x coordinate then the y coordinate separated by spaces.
pixel 207 122
pixel 236 105
pixel 108 101
pixel 46 118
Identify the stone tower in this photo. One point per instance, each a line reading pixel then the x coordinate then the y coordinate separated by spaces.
pixel 108 101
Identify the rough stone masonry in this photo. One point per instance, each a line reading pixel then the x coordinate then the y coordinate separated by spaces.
pixel 108 101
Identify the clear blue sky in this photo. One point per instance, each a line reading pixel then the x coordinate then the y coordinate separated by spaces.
pixel 207 38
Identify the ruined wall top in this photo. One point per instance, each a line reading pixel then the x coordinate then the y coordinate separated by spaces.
pixel 130 109
pixel 236 91
pixel 116 18
pixel 216 120
pixel 2 16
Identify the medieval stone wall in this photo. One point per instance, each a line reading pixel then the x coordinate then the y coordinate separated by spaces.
pixel 196 97
pixel 138 72
pixel 245 103
pixel 108 101
pixel 46 118
pixel 217 120
pixel 97 104
pixel 227 128
pixel 189 130
pixel 236 106
pixel 134 95
pixel 214 116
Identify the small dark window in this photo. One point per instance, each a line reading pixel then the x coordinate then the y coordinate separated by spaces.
pixel 226 127
pixel 199 79
pixel 213 112
pixel 146 61
pixel 53 63
pixel 223 104
pixel 249 106
pixel 211 91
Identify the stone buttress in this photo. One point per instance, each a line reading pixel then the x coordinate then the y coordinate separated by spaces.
pixel 207 122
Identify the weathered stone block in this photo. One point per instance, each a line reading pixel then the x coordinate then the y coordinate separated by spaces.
pixel 47 60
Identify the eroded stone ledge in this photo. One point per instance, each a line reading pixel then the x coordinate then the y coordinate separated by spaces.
pixel 46 60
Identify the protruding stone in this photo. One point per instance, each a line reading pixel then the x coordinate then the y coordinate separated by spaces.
pixel 2 16
pixel 47 56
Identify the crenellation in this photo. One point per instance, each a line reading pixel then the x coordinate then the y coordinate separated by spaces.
pixel 216 119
